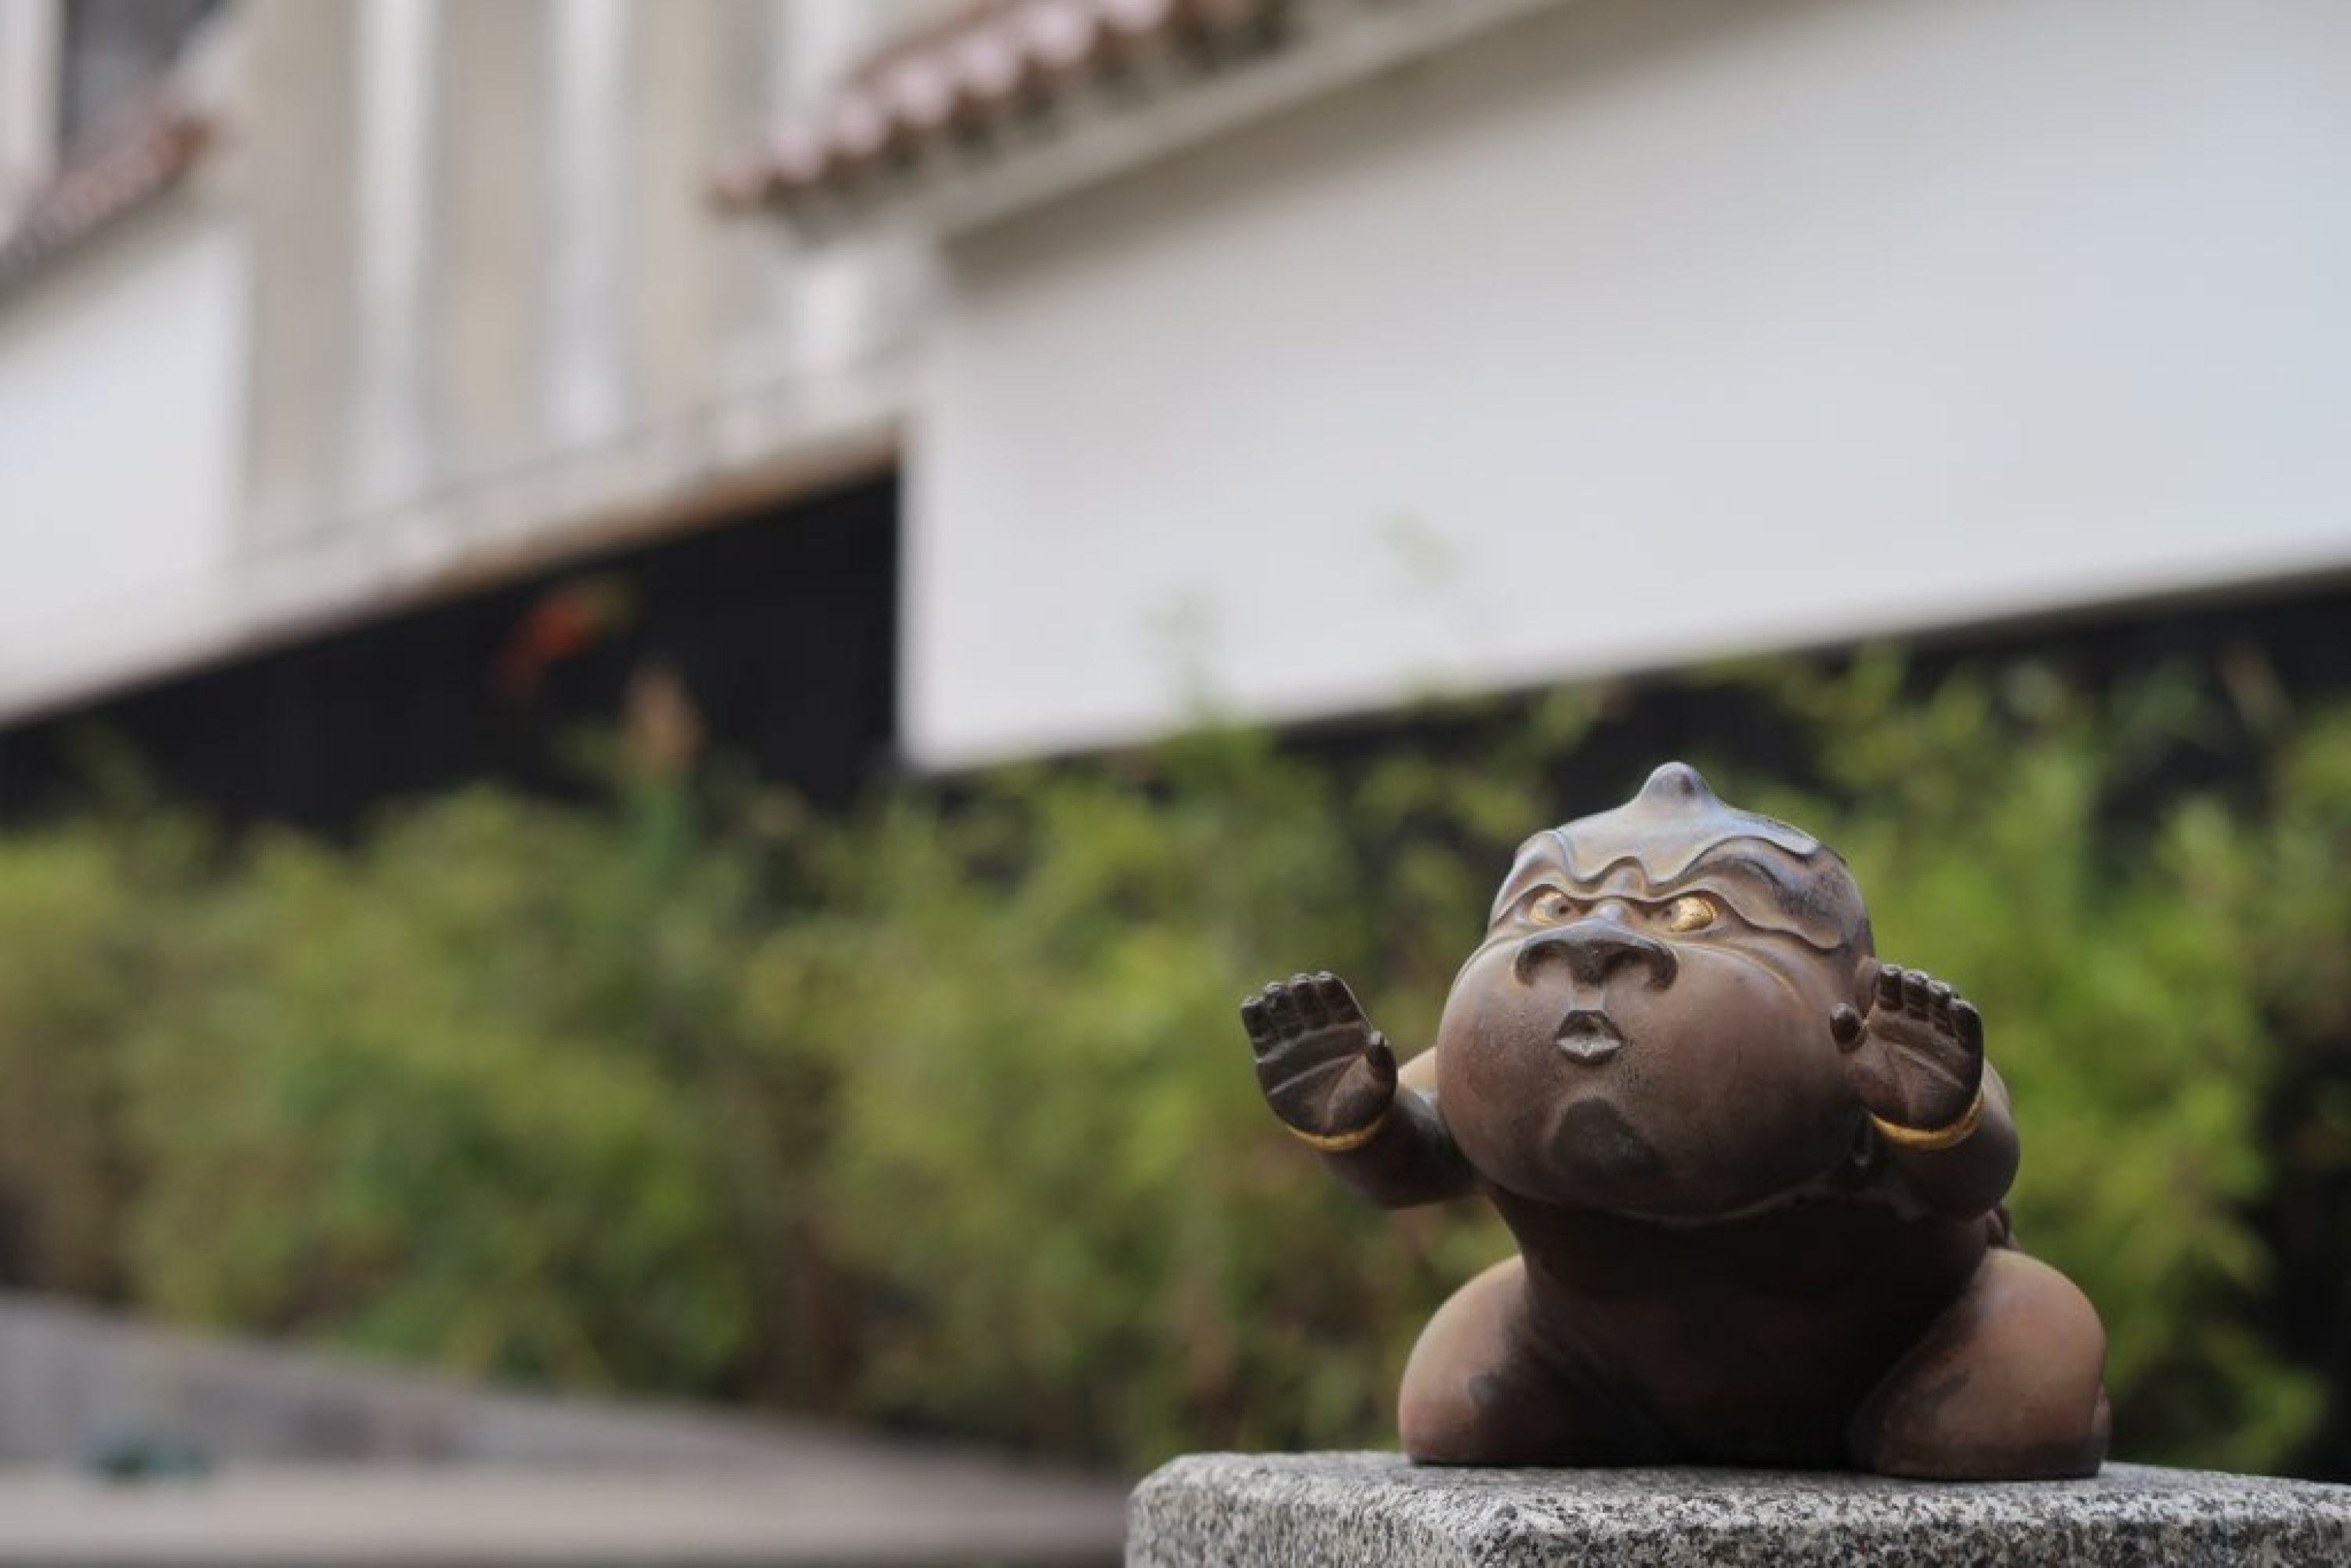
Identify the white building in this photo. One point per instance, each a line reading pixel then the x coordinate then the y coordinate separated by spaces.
pixel 320 314
pixel 1310 354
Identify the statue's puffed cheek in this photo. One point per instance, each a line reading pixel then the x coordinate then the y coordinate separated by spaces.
pixel 1724 1089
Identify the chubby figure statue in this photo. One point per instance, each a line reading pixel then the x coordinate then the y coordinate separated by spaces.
pixel 1754 1174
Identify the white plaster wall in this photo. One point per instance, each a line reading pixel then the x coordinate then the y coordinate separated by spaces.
pixel 1640 332
pixel 121 381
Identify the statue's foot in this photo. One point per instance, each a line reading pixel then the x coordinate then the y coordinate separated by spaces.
pixel 2005 1385
pixel 1482 1389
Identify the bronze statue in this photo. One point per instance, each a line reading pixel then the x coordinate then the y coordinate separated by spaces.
pixel 1755 1175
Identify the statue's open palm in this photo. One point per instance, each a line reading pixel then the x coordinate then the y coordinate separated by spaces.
pixel 1916 1055
pixel 1325 1071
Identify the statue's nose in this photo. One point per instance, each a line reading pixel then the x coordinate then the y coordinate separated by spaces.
pixel 1594 948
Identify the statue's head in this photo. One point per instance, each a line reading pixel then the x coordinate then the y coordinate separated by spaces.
pixel 1645 1028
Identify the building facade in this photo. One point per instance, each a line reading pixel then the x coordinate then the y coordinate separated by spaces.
pixel 1295 357
pixel 1602 336
pixel 432 305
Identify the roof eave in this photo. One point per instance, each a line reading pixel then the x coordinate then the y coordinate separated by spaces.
pixel 962 178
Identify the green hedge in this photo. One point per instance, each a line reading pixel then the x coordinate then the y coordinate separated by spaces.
pixel 941 1116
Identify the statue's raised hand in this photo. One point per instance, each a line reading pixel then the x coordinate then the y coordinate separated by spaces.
pixel 1914 1053
pixel 1326 1071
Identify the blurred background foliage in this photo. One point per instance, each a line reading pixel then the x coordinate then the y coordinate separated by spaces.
pixel 939 1114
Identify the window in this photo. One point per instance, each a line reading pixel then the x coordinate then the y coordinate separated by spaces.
pixel 111 51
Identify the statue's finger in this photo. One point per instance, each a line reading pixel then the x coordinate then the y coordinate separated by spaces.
pixel 1338 1001
pixel 1889 985
pixel 1309 1000
pixel 1968 1023
pixel 1916 998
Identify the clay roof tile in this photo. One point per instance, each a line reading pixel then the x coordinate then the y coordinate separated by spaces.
pixel 983 61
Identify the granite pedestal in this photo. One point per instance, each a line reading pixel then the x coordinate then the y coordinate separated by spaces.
pixel 1369 1509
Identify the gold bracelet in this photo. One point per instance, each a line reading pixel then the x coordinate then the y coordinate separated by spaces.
pixel 1339 1142
pixel 1936 1138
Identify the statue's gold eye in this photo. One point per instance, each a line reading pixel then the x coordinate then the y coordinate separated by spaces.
pixel 1549 906
pixel 1692 912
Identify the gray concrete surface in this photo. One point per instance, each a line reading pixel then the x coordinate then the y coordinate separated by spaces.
pixel 72 1379
pixel 314 1460
pixel 386 1516
pixel 1372 1510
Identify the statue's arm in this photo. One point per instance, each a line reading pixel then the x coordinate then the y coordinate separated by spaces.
pixel 1966 1178
pixel 1413 1159
pixel 1331 1079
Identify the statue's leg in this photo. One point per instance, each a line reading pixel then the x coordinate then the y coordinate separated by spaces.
pixel 1482 1388
pixel 2005 1385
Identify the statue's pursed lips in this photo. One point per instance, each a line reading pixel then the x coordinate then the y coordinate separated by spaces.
pixel 1588 1035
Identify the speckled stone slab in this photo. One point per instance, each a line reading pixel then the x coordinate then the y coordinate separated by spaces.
pixel 1244 1511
